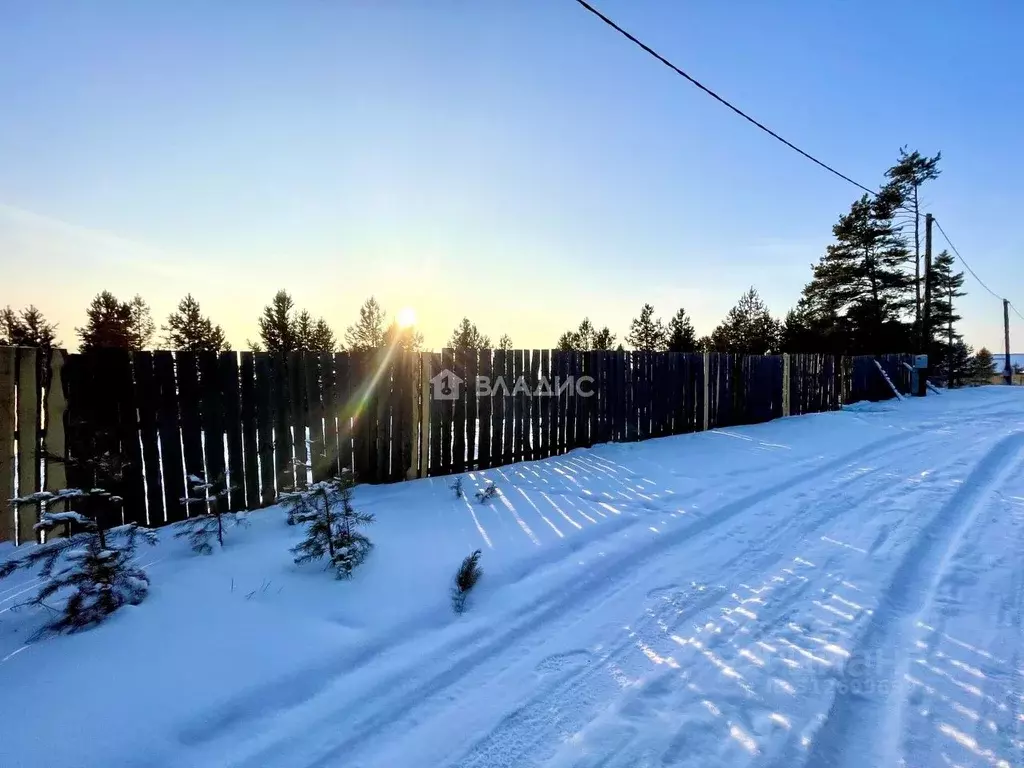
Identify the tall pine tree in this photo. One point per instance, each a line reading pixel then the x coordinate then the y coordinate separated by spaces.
pixel 370 330
pixel 585 338
pixel 116 324
pixel 646 333
pixel 748 329
pixel 277 324
pixel 188 330
pixel 467 336
pixel 906 177
pixel 862 277
pixel 946 289
pixel 29 328
pixel 680 336
pixel 283 329
pixel 404 337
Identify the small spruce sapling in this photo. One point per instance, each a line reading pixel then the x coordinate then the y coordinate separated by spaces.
pixel 466 577
pixel 93 567
pixel 201 527
pixel 457 487
pixel 332 524
pixel 489 492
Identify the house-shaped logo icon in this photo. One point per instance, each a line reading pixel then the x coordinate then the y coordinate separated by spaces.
pixel 446 385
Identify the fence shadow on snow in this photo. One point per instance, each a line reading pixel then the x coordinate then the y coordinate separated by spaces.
pixel 271 420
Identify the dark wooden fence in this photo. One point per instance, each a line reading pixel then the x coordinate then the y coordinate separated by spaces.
pixel 271 421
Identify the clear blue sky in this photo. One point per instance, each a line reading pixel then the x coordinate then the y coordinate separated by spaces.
pixel 510 160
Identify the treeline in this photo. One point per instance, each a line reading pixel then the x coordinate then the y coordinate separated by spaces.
pixel 113 323
pixel 865 296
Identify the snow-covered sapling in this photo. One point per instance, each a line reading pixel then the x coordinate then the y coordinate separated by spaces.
pixel 208 518
pixel 92 568
pixel 300 470
pixel 332 524
pixel 466 577
pixel 489 492
pixel 457 487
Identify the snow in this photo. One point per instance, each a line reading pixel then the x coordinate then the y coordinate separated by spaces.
pixel 50 519
pixel 840 589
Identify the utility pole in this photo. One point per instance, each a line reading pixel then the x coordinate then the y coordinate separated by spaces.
pixel 949 353
pixel 1008 369
pixel 926 327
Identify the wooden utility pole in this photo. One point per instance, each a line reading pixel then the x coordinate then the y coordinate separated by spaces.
pixel 1007 369
pixel 926 327
pixel 949 352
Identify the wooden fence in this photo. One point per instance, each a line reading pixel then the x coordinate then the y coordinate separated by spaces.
pixel 270 421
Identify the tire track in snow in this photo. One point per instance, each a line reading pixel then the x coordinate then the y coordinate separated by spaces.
pixel 726 653
pixel 398 693
pixel 266 699
pixel 858 731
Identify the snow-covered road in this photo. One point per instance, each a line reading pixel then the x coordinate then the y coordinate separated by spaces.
pixel 837 590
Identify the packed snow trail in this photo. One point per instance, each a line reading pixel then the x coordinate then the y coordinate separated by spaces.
pixel 836 590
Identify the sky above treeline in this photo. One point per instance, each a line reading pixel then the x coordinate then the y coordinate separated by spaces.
pixel 514 162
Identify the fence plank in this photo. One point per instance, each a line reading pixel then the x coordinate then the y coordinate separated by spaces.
pixel 7 422
pixel 393 418
pixel 189 408
pixel 362 414
pixel 580 408
pixel 169 432
pixel 397 403
pixel 212 415
pixel 55 438
pixel 231 419
pixel 516 396
pixel 447 409
pixel 296 363
pixel 329 415
pixel 281 391
pixel 411 414
pixel 250 428
pixel 497 406
pixel 28 412
pixel 118 381
pixel 459 413
pixel 559 407
pixel 565 426
pixel 504 410
pixel 535 404
pixel 382 415
pixel 426 425
pixel 595 372
pixel 485 407
pixel 77 383
pixel 148 401
pixel 344 404
pixel 543 404
pixel 266 423
pixel 472 408
pixel 318 454
pixel 432 368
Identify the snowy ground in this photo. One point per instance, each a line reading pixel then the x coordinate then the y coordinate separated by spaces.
pixel 840 589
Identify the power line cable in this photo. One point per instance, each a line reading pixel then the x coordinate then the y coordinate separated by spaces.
pixel 962 261
pixel 718 98
pixel 636 41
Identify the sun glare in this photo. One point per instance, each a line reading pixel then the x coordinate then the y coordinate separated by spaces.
pixel 406 317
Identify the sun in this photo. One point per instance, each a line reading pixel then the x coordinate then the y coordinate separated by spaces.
pixel 406 317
